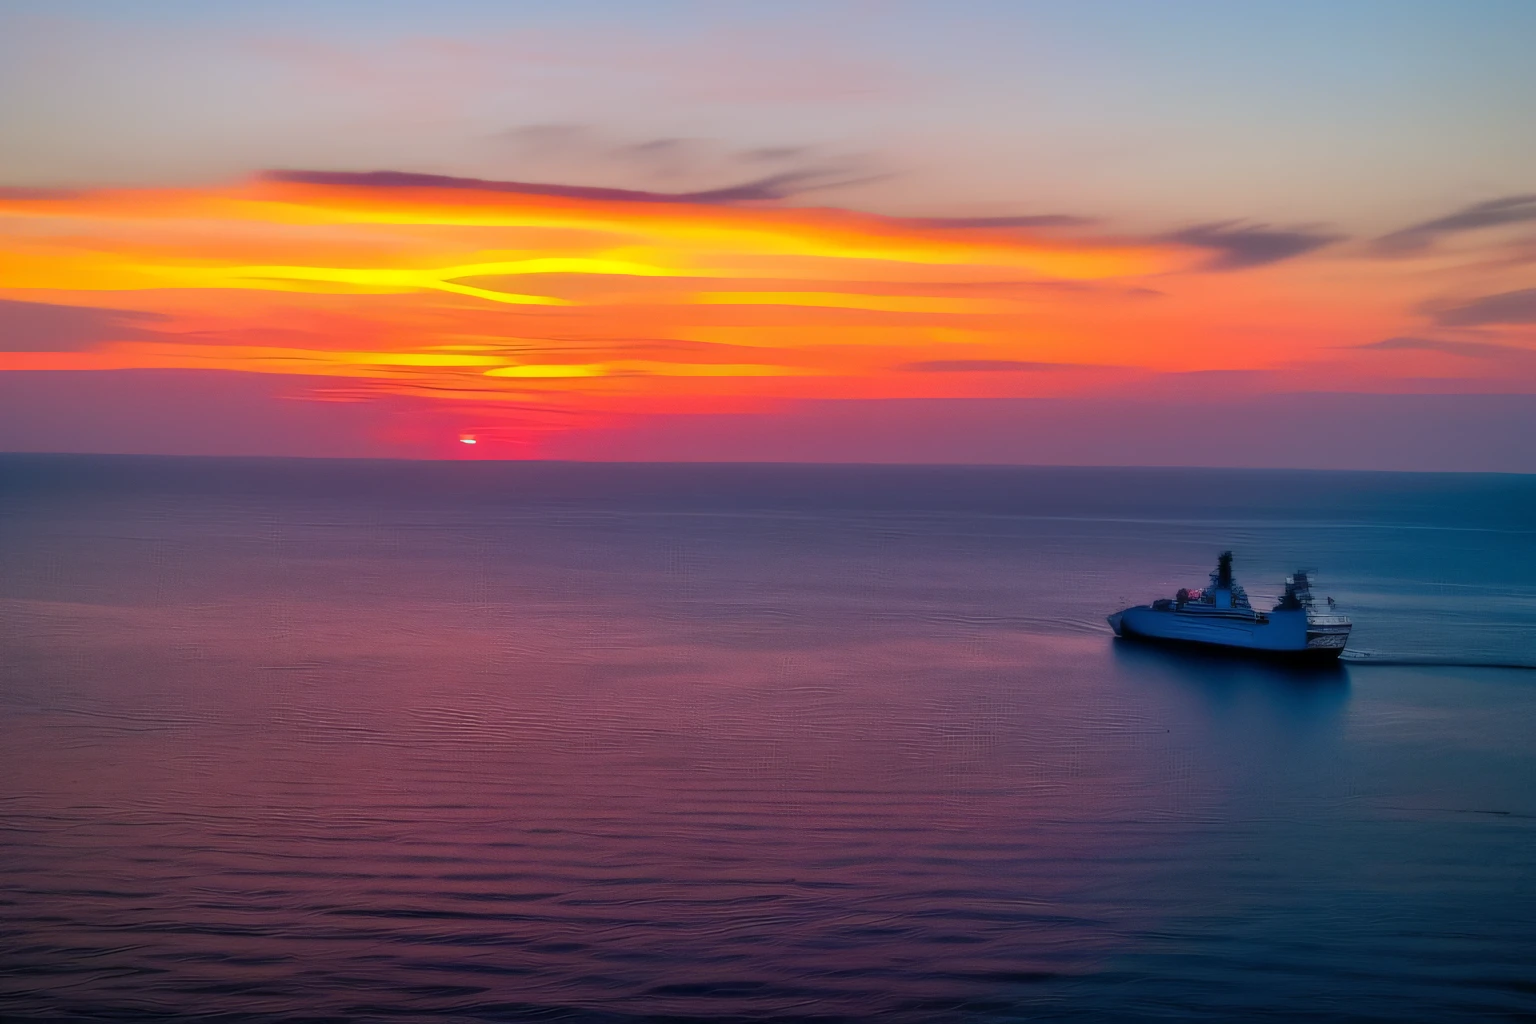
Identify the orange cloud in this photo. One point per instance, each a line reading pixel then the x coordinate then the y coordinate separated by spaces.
pixel 590 303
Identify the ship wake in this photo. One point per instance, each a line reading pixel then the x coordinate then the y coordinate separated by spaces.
pixel 1352 657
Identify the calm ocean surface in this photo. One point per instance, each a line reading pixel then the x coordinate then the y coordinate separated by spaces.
pixel 315 741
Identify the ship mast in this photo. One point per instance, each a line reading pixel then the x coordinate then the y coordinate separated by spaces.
pixel 1224 571
pixel 1222 579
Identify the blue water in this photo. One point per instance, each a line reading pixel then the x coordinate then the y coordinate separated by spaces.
pixel 323 741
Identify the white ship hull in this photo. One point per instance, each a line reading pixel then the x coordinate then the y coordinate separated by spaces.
pixel 1299 633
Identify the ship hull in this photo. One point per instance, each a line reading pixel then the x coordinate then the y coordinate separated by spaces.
pixel 1304 656
pixel 1287 635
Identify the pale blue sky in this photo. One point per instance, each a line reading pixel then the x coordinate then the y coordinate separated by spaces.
pixel 1360 115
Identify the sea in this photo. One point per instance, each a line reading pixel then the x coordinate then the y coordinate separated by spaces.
pixel 325 741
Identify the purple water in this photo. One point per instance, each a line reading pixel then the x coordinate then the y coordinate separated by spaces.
pixel 308 741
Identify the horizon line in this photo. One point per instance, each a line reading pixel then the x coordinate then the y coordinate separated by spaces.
pixel 784 463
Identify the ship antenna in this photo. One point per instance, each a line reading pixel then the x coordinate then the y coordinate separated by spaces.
pixel 1224 570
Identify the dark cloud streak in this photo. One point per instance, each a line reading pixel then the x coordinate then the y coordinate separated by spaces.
pixel 772 187
pixel 1239 247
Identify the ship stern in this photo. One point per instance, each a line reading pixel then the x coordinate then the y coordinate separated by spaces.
pixel 1327 635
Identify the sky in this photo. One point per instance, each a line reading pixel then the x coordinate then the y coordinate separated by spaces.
pixel 1291 234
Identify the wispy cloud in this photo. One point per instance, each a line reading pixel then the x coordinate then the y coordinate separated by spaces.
pixel 1517 307
pixel 46 327
pixel 1043 220
pixel 1508 365
pixel 984 366
pixel 1469 349
pixel 16 192
pixel 560 151
pixel 773 154
pixel 772 187
pixel 1489 214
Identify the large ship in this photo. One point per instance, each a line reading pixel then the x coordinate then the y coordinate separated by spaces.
pixel 1219 615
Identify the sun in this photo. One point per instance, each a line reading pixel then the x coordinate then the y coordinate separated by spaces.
pixel 467 439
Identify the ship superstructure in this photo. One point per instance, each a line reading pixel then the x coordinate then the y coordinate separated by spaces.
pixel 1220 615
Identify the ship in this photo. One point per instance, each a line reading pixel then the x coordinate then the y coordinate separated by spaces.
pixel 1219 616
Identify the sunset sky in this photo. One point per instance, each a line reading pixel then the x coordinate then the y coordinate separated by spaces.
pixel 1295 234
